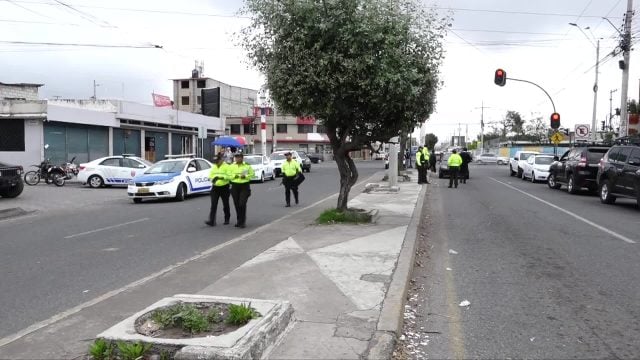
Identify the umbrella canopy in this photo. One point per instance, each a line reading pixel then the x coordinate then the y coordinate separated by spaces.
pixel 232 141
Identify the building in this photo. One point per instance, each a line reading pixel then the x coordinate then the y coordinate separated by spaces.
pixel 234 101
pixel 90 129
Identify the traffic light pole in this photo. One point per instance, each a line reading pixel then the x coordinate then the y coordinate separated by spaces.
pixel 539 87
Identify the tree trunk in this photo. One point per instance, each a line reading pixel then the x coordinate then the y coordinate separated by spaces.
pixel 348 176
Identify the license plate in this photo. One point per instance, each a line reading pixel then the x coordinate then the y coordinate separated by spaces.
pixel 143 190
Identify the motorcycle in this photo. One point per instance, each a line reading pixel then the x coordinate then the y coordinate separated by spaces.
pixel 46 171
pixel 70 169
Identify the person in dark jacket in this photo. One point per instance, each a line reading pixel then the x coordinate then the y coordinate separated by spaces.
pixel 432 161
pixel 464 169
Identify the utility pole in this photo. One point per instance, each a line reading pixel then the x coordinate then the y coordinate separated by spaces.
pixel 482 125
pixel 594 131
pixel 94 90
pixel 626 48
pixel 611 108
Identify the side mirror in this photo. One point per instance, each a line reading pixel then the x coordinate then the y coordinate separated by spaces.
pixel 140 166
pixel 191 169
pixel 556 158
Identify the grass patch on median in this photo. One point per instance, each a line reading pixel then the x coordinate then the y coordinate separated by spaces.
pixel 350 216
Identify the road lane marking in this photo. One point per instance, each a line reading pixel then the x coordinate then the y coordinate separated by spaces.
pixel 106 228
pixel 586 221
pixel 76 309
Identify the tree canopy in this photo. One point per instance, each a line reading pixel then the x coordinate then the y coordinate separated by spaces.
pixel 366 69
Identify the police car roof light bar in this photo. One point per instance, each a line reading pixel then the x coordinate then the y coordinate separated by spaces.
pixel 126 155
pixel 179 156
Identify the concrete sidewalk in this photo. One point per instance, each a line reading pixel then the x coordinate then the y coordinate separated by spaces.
pixel 346 283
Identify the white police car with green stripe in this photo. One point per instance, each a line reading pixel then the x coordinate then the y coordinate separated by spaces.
pixel 174 178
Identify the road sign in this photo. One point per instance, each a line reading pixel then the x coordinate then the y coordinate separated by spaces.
pixel 582 132
pixel 556 138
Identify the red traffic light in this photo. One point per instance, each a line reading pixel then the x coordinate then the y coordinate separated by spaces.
pixel 500 77
pixel 555 121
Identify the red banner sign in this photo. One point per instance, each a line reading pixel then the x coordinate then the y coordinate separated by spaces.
pixel 161 100
pixel 306 120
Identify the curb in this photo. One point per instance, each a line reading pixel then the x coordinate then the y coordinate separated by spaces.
pixel 391 318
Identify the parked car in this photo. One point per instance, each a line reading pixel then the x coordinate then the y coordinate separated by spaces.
pixel 173 178
pixel 517 162
pixel 261 167
pixel 306 162
pixel 11 184
pixel 111 170
pixel 536 167
pixel 577 168
pixel 488 158
pixel 619 173
pixel 443 168
pixel 316 157
pixel 277 158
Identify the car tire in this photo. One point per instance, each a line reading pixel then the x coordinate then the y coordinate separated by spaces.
pixel 181 192
pixel 262 177
pixel 31 178
pixel 551 182
pixel 511 172
pixel 137 200
pixel 533 177
pixel 273 175
pixel 605 193
pixel 12 191
pixel 95 181
pixel 523 176
pixel 519 173
pixel 571 185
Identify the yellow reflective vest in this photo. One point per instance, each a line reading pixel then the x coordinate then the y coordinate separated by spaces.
pixel 221 172
pixel 455 160
pixel 236 171
pixel 418 156
pixel 291 168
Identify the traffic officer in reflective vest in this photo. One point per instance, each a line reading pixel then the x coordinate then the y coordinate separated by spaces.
pixel 219 176
pixel 290 169
pixel 425 165
pixel 419 165
pixel 240 174
pixel 454 162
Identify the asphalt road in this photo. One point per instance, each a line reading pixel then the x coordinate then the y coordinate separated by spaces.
pixel 547 274
pixel 79 243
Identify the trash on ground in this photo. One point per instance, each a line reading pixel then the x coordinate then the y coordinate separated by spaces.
pixel 453 252
pixel 465 303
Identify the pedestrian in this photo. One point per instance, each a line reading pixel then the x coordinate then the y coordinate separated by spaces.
pixel 425 165
pixel 407 159
pixel 432 161
pixel 454 162
pixel 228 155
pixel 290 171
pixel 240 174
pixel 219 176
pixel 464 169
pixel 419 166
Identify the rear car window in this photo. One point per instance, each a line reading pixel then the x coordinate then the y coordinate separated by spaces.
pixel 594 155
pixel 624 155
pixel 635 156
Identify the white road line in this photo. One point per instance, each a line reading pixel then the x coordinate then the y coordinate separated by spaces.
pixel 106 228
pixel 76 309
pixel 599 227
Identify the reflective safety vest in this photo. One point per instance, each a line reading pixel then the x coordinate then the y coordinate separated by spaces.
pixel 221 172
pixel 418 158
pixel 236 171
pixel 425 152
pixel 455 160
pixel 291 168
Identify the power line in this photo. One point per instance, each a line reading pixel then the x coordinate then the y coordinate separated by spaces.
pixel 83 14
pixel 37 22
pixel 508 32
pixel 26 8
pixel 150 46
pixel 516 12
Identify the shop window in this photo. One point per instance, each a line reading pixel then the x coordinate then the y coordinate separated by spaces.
pixel 305 129
pixel 12 135
pixel 281 128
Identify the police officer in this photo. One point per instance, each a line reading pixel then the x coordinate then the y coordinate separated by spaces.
pixel 425 165
pixel 419 164
pixel 464 169
pixel 240 174
pixel 219 176
pixel 454 162
pixel 290 170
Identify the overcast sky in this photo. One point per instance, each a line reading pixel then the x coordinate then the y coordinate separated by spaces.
pixel 531 40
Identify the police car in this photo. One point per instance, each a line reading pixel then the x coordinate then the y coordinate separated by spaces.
pixel 111 170
pixel 175 178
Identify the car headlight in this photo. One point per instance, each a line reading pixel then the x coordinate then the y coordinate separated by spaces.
pixel 163 182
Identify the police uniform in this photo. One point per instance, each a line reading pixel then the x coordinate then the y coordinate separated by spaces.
pixel 240 188
pixel 419 165
pixel 425 165
pixel 290 169
pixel 219 190
pixel 454 162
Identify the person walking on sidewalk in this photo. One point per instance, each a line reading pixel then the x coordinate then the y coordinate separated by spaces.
pixel 454 162
pixel 219 176
pixel 464 169
pixel 425 165
pixel 290 171
pixel 240 174
pixel 419 166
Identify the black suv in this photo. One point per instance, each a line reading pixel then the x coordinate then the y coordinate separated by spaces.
pixel 577 168
pixel 619 172
pixel 11 184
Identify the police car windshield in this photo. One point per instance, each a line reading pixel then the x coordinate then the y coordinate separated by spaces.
pixel 167 167
pixel 253 160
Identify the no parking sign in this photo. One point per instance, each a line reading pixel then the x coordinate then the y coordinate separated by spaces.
pixel 582 132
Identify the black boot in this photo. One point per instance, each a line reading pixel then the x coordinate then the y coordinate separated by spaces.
pixel 210 223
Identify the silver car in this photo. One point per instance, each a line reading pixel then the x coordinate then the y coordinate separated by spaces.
pixel 488 158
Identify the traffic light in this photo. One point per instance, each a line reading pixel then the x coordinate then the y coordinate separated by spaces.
pixel 500 77
pixel 603 125
pixel 555 121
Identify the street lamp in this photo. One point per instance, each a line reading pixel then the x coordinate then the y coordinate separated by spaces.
pixel 595 85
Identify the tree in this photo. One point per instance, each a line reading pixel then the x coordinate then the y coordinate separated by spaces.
pixel 430 141
pixel 515 122
pixel 537 130
pixel 367 69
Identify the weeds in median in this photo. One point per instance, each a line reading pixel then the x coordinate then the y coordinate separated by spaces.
pixel 133 351
pixel 241 314
pixel 350 216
